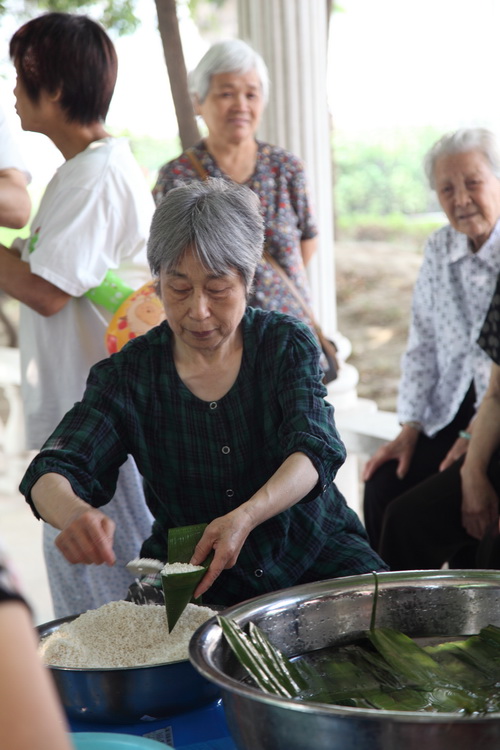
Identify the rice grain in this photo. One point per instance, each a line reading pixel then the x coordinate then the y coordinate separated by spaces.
pixel 120 635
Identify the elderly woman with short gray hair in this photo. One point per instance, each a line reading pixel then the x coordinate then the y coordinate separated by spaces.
pixel 445 372
pixel 229 88
pixel 222 407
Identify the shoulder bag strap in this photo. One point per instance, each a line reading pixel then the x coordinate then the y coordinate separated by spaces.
pixel 287 280
pixel 196 164
pixel 326 344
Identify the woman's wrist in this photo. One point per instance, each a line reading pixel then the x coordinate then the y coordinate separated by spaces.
pixel 55 501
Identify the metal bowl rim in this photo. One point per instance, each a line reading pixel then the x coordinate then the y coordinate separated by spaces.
pixel 302 593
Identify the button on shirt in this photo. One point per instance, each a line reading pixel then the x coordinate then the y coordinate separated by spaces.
pixel 451 298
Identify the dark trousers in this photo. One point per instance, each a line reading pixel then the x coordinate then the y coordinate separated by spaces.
pixel 385 486
pixel 423 528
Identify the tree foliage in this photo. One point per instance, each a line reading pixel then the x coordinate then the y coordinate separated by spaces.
pixel 117 15
pixel 381 173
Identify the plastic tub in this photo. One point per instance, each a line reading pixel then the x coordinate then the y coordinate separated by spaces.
pixel 112 741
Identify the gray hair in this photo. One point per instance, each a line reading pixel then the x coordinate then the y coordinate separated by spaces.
pixel 460 141
pixel 220 221
pixel 231 56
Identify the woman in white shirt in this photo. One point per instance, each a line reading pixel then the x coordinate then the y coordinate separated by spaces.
pixel 93 217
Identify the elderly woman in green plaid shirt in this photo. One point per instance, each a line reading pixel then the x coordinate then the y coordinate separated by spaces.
pixel 222 406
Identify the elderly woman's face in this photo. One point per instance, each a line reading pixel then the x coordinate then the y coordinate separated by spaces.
pixel 469 194
pixel 233 106
pixel 203 310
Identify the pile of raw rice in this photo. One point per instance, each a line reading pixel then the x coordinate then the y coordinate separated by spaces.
pixel 122 634
pixel 178 567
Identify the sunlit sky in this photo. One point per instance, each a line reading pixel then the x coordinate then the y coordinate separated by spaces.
pixel 415 62
pixel 392 63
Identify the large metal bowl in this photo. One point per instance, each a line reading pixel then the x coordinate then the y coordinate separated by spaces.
pixel 120 696
pixel 317 615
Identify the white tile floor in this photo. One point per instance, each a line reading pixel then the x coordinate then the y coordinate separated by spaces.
pixel 21 536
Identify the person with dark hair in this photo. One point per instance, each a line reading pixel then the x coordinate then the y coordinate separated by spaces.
pixel 94 217
pixel 223 407
pixel 65 56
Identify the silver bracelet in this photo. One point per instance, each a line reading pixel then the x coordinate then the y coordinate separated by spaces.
pixel 415 425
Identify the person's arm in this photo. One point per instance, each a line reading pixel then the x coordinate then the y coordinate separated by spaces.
pixel 305 433
pixel 294 479
pixel 419 364
pixel 308 248
pixel 31 717
pixel 74 474
pixel 15 202
pixel 400 449
pixel 458 449
pixel 86 533
pixel 479 499
pixel 300 203
pixel 17 280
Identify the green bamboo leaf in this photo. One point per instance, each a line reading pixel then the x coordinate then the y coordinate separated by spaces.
pixel 251 659
pixel 452 700
pixel 408 660
pixel 372 663
pixel 182 541
pixel 374 605
pixel 405 699
pixel 464 673
pixel 481 655
pixel 491 634
pixel 386 671
pixel 276 660
pixel 178 589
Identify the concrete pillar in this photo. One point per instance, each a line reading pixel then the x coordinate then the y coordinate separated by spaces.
pixel 291 36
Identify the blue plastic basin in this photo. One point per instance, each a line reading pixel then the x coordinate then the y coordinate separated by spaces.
pixel 110 741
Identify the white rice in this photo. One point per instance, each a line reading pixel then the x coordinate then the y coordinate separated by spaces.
pixel 178 567
pixel 122 634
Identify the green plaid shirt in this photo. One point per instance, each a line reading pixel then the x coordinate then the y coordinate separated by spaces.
pixel 201 459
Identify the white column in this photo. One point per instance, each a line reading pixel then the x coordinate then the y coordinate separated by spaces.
pixel 291 36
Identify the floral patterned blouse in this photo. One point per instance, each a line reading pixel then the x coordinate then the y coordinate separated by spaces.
pixel 279 181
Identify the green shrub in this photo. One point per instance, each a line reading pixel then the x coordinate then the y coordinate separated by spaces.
pixel 388 228
pixel 380 172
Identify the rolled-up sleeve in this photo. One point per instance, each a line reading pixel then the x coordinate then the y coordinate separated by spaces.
pixel 87 446
pixel 308 424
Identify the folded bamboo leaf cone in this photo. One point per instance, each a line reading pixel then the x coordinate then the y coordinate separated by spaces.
pixel 179 581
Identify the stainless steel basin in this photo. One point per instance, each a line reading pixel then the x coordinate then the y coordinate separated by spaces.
pixel 317 615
